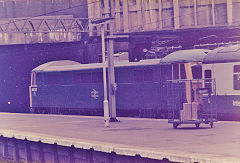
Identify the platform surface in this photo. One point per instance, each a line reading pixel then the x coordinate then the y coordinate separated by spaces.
pixel 150 138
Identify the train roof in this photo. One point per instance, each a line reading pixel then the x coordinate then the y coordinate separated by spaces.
pixel 55 64
pixel 223 54
pixel 183 56
pixel 67 65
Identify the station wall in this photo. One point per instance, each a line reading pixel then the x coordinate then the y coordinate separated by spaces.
pixel 31 8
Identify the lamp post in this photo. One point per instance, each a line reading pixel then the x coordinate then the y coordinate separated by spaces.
pixel 105 101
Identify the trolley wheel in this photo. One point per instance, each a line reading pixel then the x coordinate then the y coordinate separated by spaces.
pixel 175 125
pixel 211 124
pixel 197 125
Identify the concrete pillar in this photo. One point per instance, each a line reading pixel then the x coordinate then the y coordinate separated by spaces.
pixel 229 12
pixel 160 19
pixel 125 16
pixel 176 14
pixel 153 14
pixel 195 13
pixel 213 13
pixel 139 14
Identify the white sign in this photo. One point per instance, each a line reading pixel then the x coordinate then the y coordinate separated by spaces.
pixel 94 94
pixel 236 103
pixel 34 89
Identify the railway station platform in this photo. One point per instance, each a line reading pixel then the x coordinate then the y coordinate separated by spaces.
pixel 149 138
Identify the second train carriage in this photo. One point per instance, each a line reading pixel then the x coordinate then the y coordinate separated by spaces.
pixel 223 64
pixel 70 87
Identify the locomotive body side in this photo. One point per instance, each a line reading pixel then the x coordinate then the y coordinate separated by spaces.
pixel 67 92
pixel 79 89
pixel 141 90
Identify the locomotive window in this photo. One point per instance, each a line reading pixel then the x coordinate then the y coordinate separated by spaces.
pixel 207 74
pixel 39 78
pixel 86 77
pixel 148 75
pixel 236 69
pixel 236 77
pixel 175 71
pixel 182 71
pixel 138 75
pixel 33 78
pixel 197 71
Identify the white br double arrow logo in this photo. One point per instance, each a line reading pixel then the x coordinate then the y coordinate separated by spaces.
pixel 94 94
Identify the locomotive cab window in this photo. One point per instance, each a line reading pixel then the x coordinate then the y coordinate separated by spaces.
pixel 178 71
pixel 33 78
pixel 39 77
pixel 197 71
pixel 236 77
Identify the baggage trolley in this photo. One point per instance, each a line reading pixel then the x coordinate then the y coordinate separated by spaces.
pixel 191 102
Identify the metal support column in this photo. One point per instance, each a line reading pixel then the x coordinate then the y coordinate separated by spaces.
pixel 111 77
pixel 109 102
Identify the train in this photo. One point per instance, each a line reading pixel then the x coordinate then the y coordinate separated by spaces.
pixel 223 65
pixel 68 87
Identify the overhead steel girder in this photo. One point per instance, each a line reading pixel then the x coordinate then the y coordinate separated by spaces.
pixel 39 25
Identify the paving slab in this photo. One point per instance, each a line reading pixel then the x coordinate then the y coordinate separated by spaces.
pixel 152 138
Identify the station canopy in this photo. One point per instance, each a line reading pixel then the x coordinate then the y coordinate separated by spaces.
pixel 223 54
pixel 183 56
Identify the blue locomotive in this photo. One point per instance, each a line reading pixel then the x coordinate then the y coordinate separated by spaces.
pixel 68 87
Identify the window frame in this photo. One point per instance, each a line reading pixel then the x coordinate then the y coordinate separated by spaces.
pixel 236 73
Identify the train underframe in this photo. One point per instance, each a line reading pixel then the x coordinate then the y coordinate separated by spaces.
pixel 139 113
